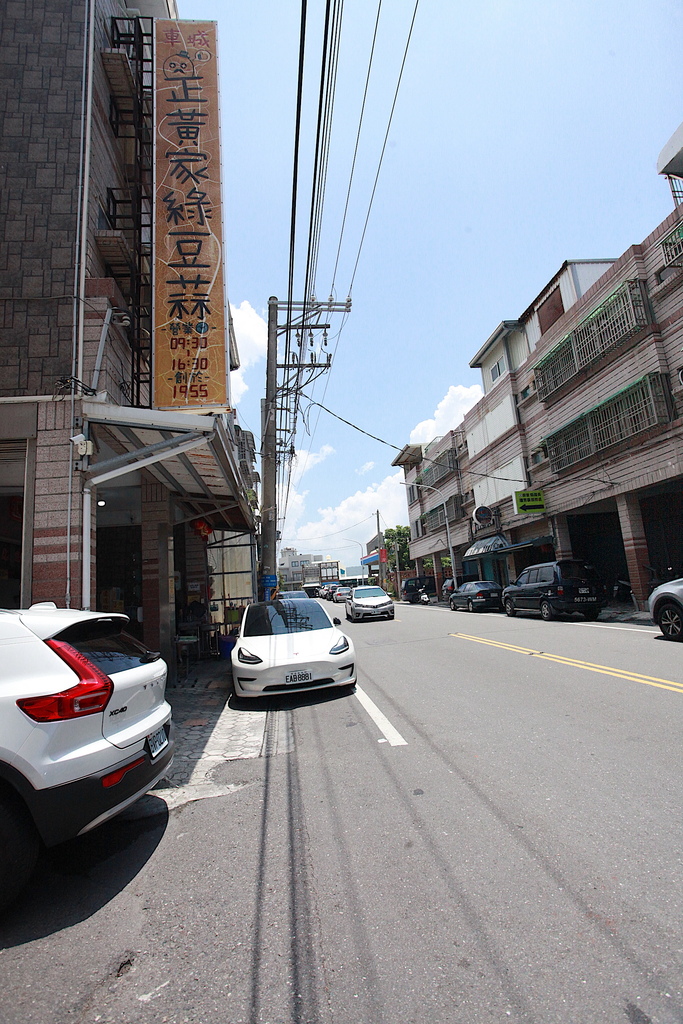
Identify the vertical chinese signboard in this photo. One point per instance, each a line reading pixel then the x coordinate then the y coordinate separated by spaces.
pixel 189 349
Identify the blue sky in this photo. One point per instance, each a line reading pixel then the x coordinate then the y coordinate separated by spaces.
pixel 526 132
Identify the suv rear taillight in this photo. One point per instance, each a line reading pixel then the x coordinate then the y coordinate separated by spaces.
pixel 88 697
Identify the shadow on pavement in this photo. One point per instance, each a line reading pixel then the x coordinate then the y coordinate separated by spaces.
pixel 74 880
pixel 288 702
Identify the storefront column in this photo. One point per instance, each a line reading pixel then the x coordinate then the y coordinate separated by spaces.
pixel 158 582
pixel 438 574
pixel 561 539
pixel 635 546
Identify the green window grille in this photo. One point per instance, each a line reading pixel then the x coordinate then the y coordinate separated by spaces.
pixel 621 316
pixel 631 411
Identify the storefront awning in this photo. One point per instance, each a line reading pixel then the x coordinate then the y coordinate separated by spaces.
pixel 487 544
pixel 370 559
pixel 499 543
pixel 194 456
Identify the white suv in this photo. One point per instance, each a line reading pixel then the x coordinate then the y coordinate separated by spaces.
pixel 85 729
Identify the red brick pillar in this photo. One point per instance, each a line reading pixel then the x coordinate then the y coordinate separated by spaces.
pixel 635 546
pixel 561 541
pixel 158 596
pixel 56 570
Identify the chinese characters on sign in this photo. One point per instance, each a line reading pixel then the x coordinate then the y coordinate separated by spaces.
pixel 189 300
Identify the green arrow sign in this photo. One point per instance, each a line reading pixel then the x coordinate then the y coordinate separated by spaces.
pixel 529 501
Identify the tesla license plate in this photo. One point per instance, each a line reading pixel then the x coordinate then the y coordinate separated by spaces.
pixel 298 677
pixel 157 741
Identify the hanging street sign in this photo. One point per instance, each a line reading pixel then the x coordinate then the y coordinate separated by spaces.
pixel 529 501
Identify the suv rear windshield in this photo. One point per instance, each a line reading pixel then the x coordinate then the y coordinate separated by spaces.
pixel 577 571
pixel 105 643
pixel 273 618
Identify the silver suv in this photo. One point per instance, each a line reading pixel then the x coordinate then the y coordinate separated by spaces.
pixel 85 729
pixel 666 608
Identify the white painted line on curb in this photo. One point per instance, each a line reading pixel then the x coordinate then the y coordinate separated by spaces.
pixel 381 721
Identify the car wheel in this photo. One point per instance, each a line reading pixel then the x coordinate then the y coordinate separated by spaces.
pixel 670 621
pixel 547 612
pixel 470 606
pixel 510 609
pixel 19 845
pixel 592 615
pixel 348 617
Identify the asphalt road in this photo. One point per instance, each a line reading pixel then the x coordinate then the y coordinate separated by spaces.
pixel 489 830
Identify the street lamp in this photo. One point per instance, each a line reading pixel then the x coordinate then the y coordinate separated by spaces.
pixel 361 549
pixel 430 487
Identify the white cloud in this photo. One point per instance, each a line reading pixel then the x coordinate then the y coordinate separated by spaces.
pixel 448 414
pixel 340 530
pixel 365 468
pixel 251 334
pixel 304 461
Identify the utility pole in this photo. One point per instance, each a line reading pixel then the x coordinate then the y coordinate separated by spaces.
pixel 269 461
pixel 379 553
pixel 280 408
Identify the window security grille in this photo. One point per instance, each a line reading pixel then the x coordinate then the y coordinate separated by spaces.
pixel 636 408
pixel 672 247
pixel 621 316
pixel 444 464
pixel 435 519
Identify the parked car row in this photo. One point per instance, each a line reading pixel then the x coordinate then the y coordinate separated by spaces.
pixel 549 588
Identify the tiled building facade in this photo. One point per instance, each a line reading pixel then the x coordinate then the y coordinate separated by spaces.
pixel 76 131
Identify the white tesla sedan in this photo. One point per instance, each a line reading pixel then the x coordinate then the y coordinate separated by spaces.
pixel 287 645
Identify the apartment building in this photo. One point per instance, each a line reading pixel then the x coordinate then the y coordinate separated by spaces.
pixel 109 498
pixel 576 448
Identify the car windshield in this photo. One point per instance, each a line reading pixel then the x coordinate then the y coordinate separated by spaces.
pixel 487 585
pixel 273 618
pixel 369 592
pixel 577 571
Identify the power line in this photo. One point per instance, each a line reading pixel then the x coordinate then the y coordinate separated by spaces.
pixel 384 145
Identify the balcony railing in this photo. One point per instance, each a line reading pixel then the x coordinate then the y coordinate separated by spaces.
pixel 631 411
pixel 621 316
pixel 443 464
pixel 672 247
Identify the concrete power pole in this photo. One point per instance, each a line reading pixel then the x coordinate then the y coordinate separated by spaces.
pixel 269 461
pixel 279 408
pixel 379 553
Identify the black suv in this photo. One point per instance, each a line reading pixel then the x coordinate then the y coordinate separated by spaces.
pixel 554 588
pixel 411 588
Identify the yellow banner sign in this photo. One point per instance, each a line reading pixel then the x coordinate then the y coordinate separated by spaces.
pixel 190 336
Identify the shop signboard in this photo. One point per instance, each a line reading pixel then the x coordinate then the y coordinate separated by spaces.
pixel 190 337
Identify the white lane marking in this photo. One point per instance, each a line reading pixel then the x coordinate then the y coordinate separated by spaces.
pixel 381 721
pixel 635 628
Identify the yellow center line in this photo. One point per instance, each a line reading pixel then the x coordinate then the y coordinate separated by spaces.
pixel 606 670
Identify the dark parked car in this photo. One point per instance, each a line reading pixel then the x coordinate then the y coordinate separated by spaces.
pixel 556 588
pixel 411 588
pixel 480 595
pixel 449 587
